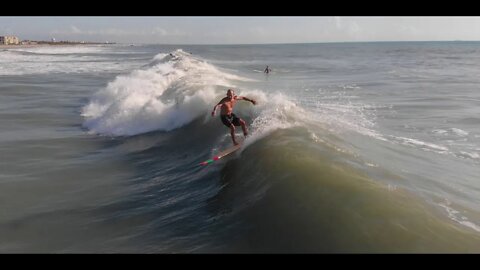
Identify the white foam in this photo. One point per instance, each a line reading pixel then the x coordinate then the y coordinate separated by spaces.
pixel 315 138
pixel 371 164
pixel 274 112
pixel 457 217
pixel 471 155
pixel 59 60
pixel 440 131
pixel 348 117
pixel 391 187
pixel 451 132
pixel 421 144
pixel 349 86
pixel 459 132
pixel 59 49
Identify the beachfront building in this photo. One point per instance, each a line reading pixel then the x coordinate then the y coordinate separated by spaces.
pixel 28 42
pixel 8 40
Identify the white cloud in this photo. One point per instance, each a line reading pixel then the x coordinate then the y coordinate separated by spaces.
pixel 260 29
pixel 338 22
pixel 159 31
pixel 75 30
pixel 156 31
pixel 349 28
pixel 354 29
pixel 152 34
pixel 409 30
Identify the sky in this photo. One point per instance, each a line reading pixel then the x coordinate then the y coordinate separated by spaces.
pixel 241 30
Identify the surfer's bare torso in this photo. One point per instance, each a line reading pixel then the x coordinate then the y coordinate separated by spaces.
pixel 227 105
pixel 229 119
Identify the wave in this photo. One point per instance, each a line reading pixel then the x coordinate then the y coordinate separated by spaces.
pixel 58 50
pixel 61 60
pixel 294 186
pixel 291 168
pixel 171 91
pixel 451 132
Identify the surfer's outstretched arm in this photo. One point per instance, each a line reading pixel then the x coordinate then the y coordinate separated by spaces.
pixel 216 106
pixel 247 99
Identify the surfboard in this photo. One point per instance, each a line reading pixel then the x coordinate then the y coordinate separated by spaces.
pixel 222 154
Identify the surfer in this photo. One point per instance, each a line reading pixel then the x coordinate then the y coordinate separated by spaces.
pixel 227 116
pixel 267 70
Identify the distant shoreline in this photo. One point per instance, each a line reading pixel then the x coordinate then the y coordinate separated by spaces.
pixel 48 45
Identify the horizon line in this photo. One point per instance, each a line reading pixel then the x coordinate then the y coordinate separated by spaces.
pixel 293 43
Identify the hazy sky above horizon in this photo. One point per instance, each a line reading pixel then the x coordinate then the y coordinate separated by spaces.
pixel 241 30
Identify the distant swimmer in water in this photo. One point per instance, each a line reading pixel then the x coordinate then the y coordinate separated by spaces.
pixel 229 119
pixel 267 70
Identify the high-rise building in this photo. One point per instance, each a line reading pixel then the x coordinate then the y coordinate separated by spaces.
pixel 7 40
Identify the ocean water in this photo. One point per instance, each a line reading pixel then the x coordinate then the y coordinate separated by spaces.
pixel 354 148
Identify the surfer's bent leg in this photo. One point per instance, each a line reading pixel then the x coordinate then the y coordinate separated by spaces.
pixel 232 132
pixel 240 122
pixel 244 127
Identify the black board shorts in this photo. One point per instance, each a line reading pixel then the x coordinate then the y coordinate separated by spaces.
pixel 228 120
